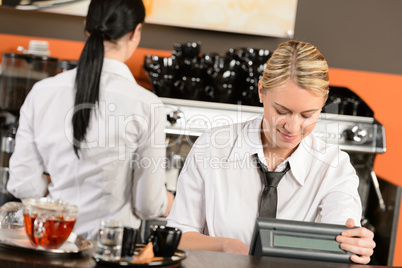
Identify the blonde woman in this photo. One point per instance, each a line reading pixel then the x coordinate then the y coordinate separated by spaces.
pixel 219 188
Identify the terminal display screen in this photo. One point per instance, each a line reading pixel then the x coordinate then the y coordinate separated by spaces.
pixel 308 243
pixel 296 239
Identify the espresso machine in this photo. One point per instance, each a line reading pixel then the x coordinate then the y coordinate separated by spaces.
pixel 19 72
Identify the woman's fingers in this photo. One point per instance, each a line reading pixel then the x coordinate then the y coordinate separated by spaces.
pixel 360 259
pixel 358 232
pixel 358 241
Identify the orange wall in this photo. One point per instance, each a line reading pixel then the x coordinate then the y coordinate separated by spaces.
pixel 62 49
pixel 71 50
pixel 382 92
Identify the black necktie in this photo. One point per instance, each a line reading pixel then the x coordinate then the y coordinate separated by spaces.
pixel 269 195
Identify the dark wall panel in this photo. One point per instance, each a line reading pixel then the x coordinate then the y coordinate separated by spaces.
pixel 163 37
pixel 41 24
pixel 359 35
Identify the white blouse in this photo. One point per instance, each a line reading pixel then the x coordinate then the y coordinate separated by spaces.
pixel 119 174
pixel 219 186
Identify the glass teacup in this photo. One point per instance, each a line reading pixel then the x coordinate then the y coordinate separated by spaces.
pixel 48 222
pixel 11 215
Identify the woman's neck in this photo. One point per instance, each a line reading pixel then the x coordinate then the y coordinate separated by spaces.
pixel 274 157
pixel 273 154
pixel 120 50
pixel 114 52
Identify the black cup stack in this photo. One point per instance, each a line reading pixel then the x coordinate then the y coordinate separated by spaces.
pixel 343 101
pixel 231 77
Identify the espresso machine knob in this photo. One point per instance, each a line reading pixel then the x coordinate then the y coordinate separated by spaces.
pixel 356 134
pixel 174 116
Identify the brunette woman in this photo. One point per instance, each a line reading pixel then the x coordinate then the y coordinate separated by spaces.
pixel 97 133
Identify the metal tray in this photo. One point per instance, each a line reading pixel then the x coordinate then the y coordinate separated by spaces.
pixel 173 261
pixel 16 239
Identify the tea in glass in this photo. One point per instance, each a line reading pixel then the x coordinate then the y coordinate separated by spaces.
pixel 48 222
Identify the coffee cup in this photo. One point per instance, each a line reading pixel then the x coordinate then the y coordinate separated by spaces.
pixel 48 222
pixel 165 240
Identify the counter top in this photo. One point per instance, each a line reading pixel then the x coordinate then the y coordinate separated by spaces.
pixel 195 259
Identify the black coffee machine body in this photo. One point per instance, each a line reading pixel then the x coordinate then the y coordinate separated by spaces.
pixel 19 72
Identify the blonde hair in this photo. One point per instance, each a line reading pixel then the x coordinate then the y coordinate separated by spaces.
pixel 300 63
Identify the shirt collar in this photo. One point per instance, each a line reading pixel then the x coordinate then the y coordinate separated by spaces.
pixel 310 150
pixel 248 142
pixel 118 68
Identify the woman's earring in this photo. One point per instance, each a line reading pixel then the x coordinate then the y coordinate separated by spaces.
pixel 260 101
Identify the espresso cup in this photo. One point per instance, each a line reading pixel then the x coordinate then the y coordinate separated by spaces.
pixel 165 240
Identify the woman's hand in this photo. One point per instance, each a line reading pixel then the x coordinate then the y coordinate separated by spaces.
pixel 359 241
pixel 198 241
pixel 230 245
pixel 47 178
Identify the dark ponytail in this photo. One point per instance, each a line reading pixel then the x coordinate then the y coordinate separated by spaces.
pixel 106 20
